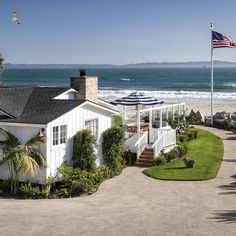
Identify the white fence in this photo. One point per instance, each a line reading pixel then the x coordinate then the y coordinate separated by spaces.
pixel 166 139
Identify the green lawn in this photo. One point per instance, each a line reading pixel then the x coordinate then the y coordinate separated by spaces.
pixel 207 151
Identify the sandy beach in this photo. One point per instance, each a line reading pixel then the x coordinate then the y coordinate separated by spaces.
pixel 204 106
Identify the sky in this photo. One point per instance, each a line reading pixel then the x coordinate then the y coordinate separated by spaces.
pixel 114 31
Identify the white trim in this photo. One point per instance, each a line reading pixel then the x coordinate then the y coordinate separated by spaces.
pixel 162 107
pixel 107 103
pixel 23 125
pixel 67 91
pixel 101 107
pixel 97 128
pixel 91 103
pixel 45 125
pixel 59 145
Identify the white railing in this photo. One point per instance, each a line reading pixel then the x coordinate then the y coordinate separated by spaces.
pixel 158 145
pixel 153 135
pixel 165 139
pixel 130 142
pixel 170 138
pixel 141 144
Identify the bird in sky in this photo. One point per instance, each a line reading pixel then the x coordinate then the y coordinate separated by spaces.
pixel 15 17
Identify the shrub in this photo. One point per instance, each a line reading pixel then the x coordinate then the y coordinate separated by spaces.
pixel 160 160
pixel 170 156
pixel 83 152
pixel 179 123
pixel 26 190
pixel 130 157
pixel 113 148
pixel 188 135
pixel 117 120
pixel 182 149
pixel 4 186
pixel 183 138
pixel 191 134
pixel 45 193
pixel 77 181
pixel 103 173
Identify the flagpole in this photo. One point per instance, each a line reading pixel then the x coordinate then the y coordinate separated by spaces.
pixel 211 76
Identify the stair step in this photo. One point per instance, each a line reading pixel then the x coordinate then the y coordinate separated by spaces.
pixel 147 153
pixel 141 164
pixel 145 161
pixel 146 157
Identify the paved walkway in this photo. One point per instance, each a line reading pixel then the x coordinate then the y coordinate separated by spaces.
pixel 134 204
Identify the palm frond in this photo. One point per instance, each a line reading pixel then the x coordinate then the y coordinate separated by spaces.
pixel 36 140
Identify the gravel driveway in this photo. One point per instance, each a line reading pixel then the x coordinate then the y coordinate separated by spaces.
pixel 134 204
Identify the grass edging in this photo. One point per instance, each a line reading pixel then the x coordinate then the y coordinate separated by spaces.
pixel 207 151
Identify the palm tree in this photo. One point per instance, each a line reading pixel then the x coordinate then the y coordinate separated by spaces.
pixel 20 159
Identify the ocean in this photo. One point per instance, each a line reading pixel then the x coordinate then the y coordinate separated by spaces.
pixel 162 83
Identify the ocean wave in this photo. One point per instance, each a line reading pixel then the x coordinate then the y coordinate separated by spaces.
pixel 111 95
pixel 125 79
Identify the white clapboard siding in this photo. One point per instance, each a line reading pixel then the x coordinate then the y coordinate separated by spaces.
pixel 75 121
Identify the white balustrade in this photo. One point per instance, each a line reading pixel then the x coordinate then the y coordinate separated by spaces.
pixel 130 142
pixel 165 139
pixel 141 144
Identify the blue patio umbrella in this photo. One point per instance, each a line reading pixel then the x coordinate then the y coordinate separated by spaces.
pixel 137 99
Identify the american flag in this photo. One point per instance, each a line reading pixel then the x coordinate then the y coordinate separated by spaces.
pixel 222 41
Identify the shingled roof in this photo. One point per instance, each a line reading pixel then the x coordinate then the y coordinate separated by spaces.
pixel 33 105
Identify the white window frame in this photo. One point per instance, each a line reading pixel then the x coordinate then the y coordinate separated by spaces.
pixel 97 127
pixel 59 137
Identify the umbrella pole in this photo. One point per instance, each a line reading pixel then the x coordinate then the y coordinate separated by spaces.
pixel 138 120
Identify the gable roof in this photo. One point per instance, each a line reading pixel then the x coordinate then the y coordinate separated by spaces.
pixel 34 105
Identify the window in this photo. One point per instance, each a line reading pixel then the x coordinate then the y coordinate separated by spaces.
pixel 92 125
pixel 62 133
pixel 59 134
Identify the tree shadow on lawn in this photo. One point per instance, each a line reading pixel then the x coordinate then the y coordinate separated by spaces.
pixel 227 216
pixel 176 168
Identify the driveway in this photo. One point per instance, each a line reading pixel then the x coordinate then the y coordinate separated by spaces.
pixel 134 204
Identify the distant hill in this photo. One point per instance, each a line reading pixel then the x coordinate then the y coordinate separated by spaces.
pixel 198 64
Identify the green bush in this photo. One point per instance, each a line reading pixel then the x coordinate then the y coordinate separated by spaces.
pixel 183 138
pixel 117 120
pixel 160 160
pixel 170 156
pixel 179 123
pixel 27 191
pixel 113 147
pixel 130 158
pixel 182 149
pixel 103 173
pixel 4 186
pixel 188 135
pixel 45 193
pixel 77 181
pixel 83 151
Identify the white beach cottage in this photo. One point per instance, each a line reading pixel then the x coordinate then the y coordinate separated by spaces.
pixel 59 113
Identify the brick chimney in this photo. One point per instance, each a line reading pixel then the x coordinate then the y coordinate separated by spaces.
pixel 87 87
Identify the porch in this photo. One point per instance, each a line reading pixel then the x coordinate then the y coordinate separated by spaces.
pixel 150 133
